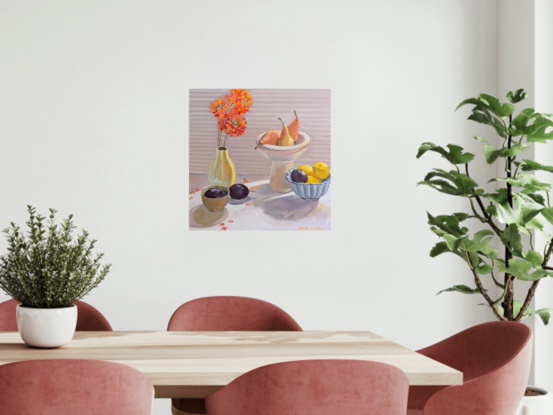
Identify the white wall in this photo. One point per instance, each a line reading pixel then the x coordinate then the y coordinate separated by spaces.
pixel 544 154
pixel 93 121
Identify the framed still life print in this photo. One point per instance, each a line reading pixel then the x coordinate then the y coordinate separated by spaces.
pixel 259 159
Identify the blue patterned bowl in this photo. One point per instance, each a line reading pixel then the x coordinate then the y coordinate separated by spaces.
pixel 309 191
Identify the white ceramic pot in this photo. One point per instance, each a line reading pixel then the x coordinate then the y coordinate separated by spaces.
pixel 536 405
pixel 46 327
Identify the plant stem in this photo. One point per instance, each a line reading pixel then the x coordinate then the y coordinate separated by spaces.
pixel 509 294
pixel 534 286
pixel 488 217
pixel 482 290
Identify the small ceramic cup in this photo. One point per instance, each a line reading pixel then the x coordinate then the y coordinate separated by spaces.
pixel 215 204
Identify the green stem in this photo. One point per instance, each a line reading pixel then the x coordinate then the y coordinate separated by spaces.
pixel 502 295
pixel 475 212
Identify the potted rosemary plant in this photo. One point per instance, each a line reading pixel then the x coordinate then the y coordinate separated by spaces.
pixel 47 270
pixel 511 215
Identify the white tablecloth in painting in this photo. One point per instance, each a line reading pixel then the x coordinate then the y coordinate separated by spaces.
pixel 263 209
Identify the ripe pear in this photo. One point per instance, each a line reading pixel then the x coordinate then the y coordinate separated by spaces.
pixel 285 137
pixel 294 127
pixel 271 137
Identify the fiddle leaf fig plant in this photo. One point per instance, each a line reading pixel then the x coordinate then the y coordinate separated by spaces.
pixel 48 268
pixel 511 214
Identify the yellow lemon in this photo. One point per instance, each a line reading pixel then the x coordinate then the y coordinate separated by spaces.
pixel 312 179
pixel 306 168
pixel 320 170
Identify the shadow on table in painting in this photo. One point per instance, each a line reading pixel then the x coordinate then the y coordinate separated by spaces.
pixel 288 207
pixel 239 201
pixel 201 217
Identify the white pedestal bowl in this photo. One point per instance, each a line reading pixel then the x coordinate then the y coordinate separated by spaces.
pixel 282 158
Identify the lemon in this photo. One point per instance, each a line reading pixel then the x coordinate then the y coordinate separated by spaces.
pixel 320 170
pixel 312 179
pixel 306 168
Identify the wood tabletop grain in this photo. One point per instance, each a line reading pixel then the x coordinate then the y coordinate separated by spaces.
pixel 195 364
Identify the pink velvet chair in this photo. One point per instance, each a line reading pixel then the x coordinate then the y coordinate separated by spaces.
pixel 88 318
pixel 495 360
pixel 225 314
pixel 71 387
pixel 314 387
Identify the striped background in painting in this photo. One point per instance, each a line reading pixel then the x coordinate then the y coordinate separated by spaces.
pixel 312 106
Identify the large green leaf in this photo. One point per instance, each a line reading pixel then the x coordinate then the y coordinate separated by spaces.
pixel 448 224
pixel 464 183
pixel 517 267
pixel 483 116
pixel 543 312
pixel 544 315
pixel 493 104
pixel 535 258
pixel 522 213
pixel 438 249
pixel 441 248
pixel 511 238
pixel 491 153
pixel 527 181
pixel 455 154
pixel 461 289
pixel 531 165
pixel 489 252
pixel 547 213
pixel 456 184
pixel 520 268
pixel 519 124
pixel 484 269
pixel 516 96
pixel 489 103
pixel 536 197
pixel 535 126
pixel 484 108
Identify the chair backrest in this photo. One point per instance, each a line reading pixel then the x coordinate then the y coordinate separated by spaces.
pixel 482 348
pixel 314 387
pixel 69 387
pixel 88 318
pixel 231 314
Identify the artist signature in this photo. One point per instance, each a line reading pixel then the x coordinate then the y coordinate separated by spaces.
pixel 311 228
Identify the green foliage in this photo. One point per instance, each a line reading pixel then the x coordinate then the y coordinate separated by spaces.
pixel 455 154
pixel 47 268
pixel 512 212
pixel 461 289
pixel 516 96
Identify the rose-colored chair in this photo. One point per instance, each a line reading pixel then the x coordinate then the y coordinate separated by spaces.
pixel 495 360
pixel 314 387
pixel 71 387
pixel 88 318
pixel 225 314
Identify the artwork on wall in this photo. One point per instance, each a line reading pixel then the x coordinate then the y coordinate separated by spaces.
pixel 259 159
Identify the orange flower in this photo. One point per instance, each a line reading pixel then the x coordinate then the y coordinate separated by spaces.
pixel 240 99
pixel 219 108
pixel 233 124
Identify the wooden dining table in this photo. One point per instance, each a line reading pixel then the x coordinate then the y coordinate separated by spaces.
pixel 195 364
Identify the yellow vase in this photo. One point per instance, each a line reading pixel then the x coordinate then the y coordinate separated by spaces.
pixel 222 171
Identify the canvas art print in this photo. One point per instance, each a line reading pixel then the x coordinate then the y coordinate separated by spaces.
pixel 260 159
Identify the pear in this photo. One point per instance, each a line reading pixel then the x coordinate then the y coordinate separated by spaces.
pixel 294 127
pixel 285 137
pixel 271 137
